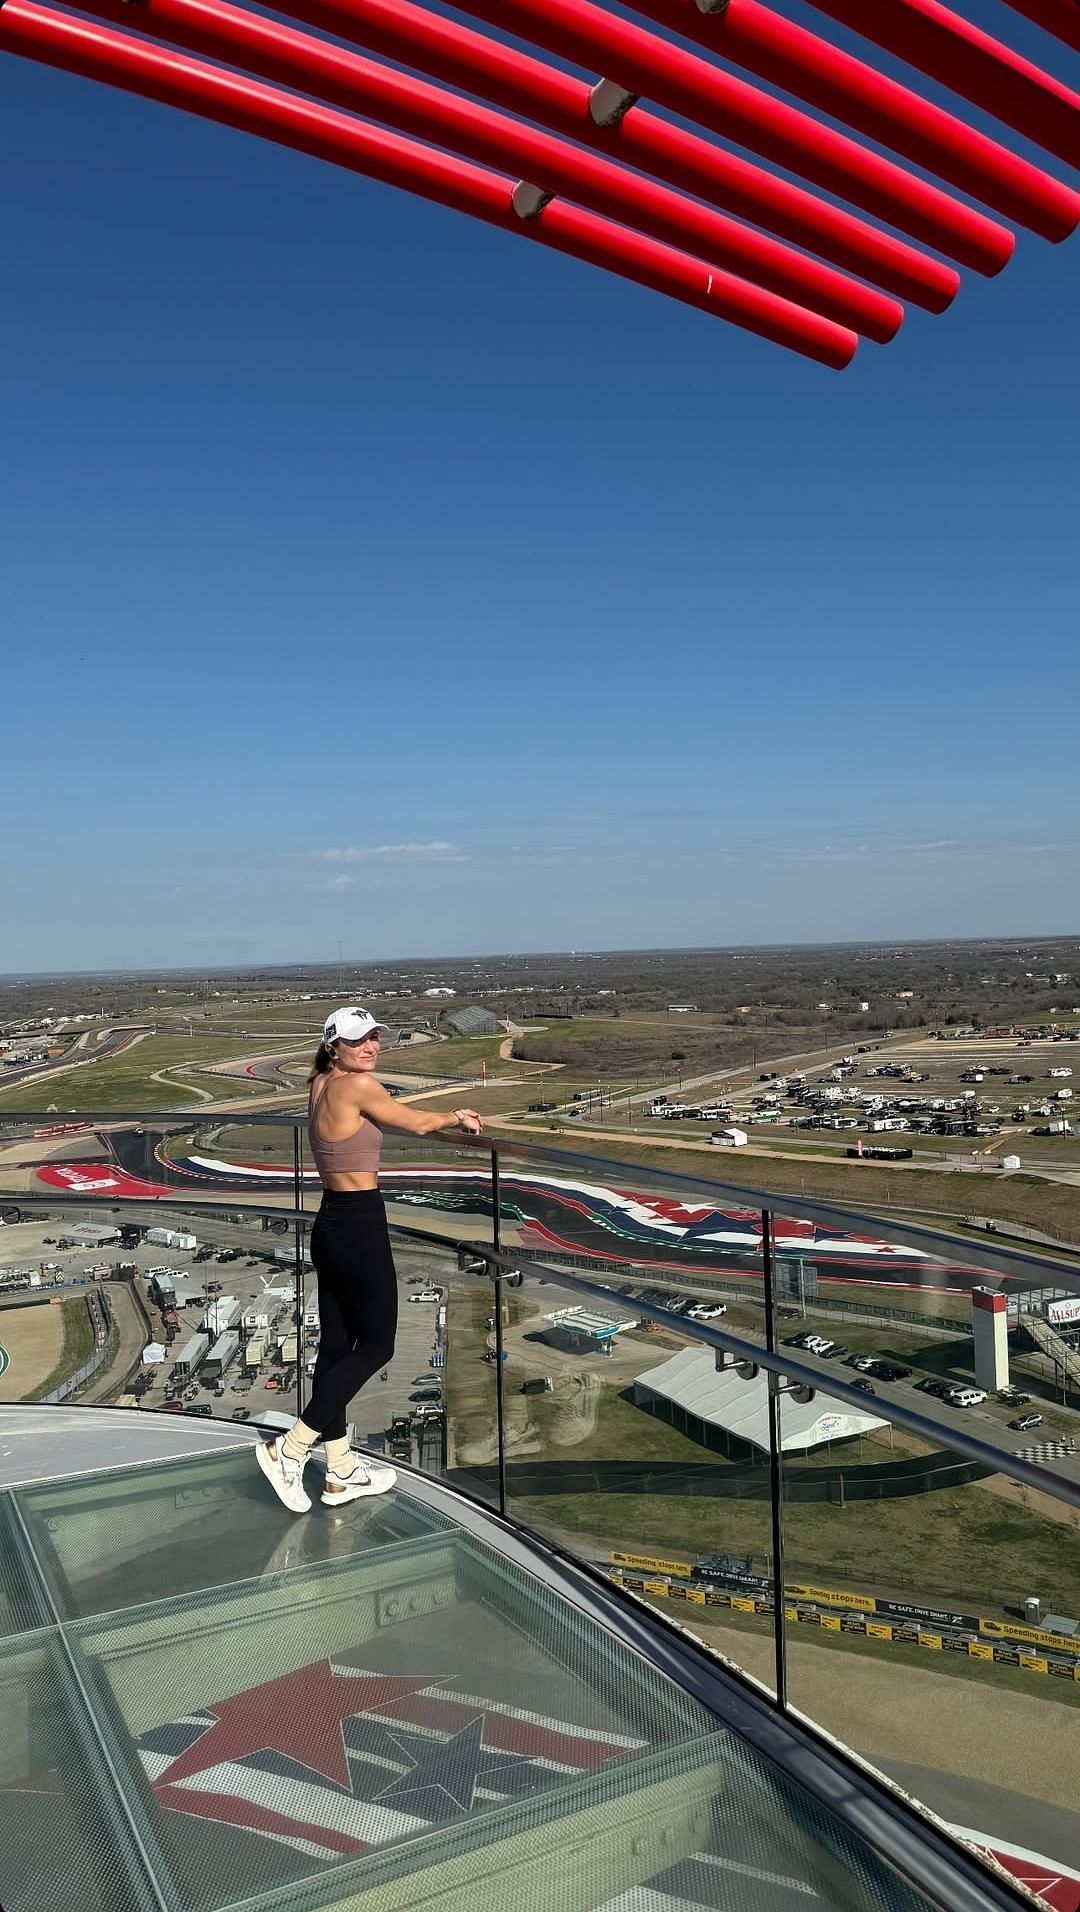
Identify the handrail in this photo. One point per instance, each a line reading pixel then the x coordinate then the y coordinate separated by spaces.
pixel 793 1367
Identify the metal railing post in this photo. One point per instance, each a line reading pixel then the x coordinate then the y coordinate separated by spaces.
pixel 500 1401
pixel 776 1470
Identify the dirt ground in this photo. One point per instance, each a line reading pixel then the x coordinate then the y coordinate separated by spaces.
pixel 34 1339
pixel 985 1733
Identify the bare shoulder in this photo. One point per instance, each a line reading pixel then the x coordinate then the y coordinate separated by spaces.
pixel 368 1095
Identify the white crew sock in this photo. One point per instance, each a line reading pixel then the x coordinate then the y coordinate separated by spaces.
pixel 339 1457
pixel 299 1441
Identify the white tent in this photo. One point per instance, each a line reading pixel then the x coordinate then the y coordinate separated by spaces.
pixel 689 1381
pixel 153 1353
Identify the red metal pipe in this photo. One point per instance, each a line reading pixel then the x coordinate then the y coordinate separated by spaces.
pixel 785 55
pixel 1059 17
pixel 961 56
pixel 279 53
pixel 98 53
pixel 655 68
pixel 526 86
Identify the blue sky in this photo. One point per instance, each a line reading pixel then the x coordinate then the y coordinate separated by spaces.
pixel 368 575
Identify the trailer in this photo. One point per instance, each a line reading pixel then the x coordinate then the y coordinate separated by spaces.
pixel 191 1357
pixel 170 1238
pixel 222 1314
pixel 289 1351
pixel 255 1352
pixel 221 1356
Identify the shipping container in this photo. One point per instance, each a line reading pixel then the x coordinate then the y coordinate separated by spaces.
pixel 221 1356
pixel 191 1357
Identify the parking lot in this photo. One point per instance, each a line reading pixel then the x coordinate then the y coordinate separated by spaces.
pixel 257 1269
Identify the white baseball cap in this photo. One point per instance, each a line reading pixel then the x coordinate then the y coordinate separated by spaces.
pixel 350 1025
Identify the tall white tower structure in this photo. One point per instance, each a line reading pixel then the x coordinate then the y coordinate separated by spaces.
pixel 989 1322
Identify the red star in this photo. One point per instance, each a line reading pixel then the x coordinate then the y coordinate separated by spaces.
pixel 299 1715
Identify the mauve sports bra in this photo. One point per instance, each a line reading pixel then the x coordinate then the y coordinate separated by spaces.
pixel 357 1154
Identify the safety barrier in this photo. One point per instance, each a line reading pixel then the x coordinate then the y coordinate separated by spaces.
pixel 865 1615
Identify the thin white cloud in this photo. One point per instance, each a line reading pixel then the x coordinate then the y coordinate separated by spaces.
pixel 368 852
pixel 342 882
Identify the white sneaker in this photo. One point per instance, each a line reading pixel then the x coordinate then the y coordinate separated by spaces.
pixel 286 1476
pixel 365 1478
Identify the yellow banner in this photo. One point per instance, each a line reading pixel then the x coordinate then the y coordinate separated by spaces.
pixel 830 1623
pixel 932 1640
pixel 655 1586
pixel 876 1630
pixel 1034 1662
pixel 681 1568
pixel 743 1606
pixel 834 1597
pixel 976 1651
pixel 696 1595
pixel 1005 1630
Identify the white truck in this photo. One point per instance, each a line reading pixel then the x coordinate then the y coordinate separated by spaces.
pixel 222 1313
pixel 170 1238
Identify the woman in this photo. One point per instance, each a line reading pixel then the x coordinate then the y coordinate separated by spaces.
pixel 350 1247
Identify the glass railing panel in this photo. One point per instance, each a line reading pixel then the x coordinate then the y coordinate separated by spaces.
pixel 933 1618
pixel 627 1446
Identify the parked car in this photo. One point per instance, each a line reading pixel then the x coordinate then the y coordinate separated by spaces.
pixel 965 1397
pixel 1013 1397
pixel 200 1407
pixel 708 1311
pixel 427 1294
pixel 1024 1421
pixel 864 1386
pixel 890 1371
pixel 241 1414
pixel 930 1384
pixel 172 1407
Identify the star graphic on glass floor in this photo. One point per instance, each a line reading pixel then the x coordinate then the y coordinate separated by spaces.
pixel 444 1773
pixel 300 1715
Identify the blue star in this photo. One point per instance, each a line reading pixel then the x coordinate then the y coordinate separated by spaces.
pixel 444 1773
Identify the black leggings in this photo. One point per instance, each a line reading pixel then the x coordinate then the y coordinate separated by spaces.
pixel 350 1247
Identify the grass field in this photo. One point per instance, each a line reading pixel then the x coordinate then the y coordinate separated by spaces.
pixel 938 1545
pixel 961 1546
pixel 127 1081
pixel 46 1344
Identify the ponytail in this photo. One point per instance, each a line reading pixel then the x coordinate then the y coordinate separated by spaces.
pixel 323 1063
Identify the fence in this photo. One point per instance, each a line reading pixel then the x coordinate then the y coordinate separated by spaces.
pixel 74 1381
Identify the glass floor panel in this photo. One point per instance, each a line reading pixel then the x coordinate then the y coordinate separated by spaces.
pixel 235 1708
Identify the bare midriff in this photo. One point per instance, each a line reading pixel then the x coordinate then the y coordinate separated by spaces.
pixel 349 1161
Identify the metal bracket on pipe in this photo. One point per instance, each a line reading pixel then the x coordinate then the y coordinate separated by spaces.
pixel 473 1259
pixel 480 1258
pixel 609 102
pixel 711 6
pixel 797 1389
pixel 528 201
pixel 723 1360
